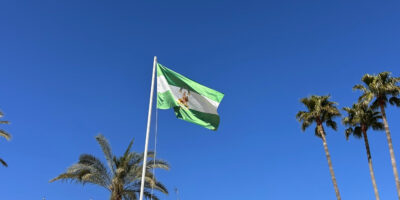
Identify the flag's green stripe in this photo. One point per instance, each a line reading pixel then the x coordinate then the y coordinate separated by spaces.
pixel 207 120
pixel 166 100
pixel 178 80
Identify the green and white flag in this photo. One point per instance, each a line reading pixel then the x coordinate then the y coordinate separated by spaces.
pixel 191 101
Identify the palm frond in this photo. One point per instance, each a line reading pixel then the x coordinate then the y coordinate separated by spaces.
pixel 124 161
pixel 149 184
pixel 377 126
pixel 72 175
pixel 348 132
pixel 3 162
pixel 332 124
pixel 317 132
pixel 360 87
pixel 105 147
pixel 92 161
pixel 394 101
pixel 159 164
pixel 361 116
pixel 319 110
pixel 83 174
pixel 357 132
pixel 130 195
pixel 4 134
pixel 368 79
pixel 160 187
pixel 147 195
pixel 305 125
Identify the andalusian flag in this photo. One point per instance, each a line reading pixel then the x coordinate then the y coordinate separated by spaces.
pixel 191 101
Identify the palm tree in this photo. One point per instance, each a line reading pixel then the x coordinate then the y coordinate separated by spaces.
pixel 360 118
pixel 380 89
pixel 123 176
pixel 320 110
pixel 4 134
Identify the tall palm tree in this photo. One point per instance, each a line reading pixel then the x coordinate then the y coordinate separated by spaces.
pixel 320 110
pixel 123 176
pixel 380 89
pixel 4 134
pixel 360 118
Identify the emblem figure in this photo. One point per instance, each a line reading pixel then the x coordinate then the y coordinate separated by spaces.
pixel 185 98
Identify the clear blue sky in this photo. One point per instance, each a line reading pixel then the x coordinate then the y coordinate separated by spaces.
pixel 73 69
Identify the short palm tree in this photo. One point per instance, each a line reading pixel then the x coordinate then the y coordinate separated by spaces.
pixel 360 119
pixel 4 134
pixel 380 89
pixel 123 176
pixel 320 110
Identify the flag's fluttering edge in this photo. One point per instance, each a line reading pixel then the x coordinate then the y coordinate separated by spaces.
pixel 191 101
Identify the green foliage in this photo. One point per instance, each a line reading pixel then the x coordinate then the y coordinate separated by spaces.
pixel 5 135
pixel 3 163
pixel 123 176
pixel 319 110
pixel 383 87
pixel 361 117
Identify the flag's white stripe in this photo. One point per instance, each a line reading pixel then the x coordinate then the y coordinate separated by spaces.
pixel 162 84
pixel 196 101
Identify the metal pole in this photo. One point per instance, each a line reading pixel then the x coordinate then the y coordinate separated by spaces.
pixel 148 129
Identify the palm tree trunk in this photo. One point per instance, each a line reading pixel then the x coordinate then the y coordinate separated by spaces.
pixel 392 157
pixel 328 157
pixel 115 196
pixel 116 190
pixel 371 170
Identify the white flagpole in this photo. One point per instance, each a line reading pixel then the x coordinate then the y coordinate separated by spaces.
pixel 148 129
